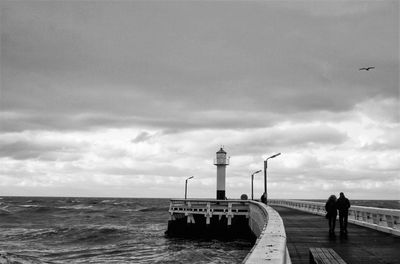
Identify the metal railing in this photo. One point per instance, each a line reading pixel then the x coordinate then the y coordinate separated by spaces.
pixel 381 219
pixel 208 208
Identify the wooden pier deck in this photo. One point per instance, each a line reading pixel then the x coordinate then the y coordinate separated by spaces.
pixel 360 245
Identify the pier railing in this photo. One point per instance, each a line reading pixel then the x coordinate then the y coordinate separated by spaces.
pixel 381 219
pixel 208 208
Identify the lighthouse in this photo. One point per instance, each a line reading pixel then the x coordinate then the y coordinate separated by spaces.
pixel 221 162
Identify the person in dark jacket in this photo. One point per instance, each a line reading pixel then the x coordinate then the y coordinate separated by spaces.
pixel 331 213
pixel 343 205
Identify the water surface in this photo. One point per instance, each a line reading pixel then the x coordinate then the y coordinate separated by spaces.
pixel 101 230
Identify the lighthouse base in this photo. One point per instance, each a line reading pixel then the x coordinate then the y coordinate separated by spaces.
pixel 220 195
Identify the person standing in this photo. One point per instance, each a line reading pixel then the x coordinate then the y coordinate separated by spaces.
pixel 331 213
pixel 343 205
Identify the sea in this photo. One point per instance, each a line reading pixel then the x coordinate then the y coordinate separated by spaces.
pixel 109 230
pixel 101 230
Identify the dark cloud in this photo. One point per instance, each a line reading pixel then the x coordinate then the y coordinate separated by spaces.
pixel 73 58
pixel 143 136
pixel 40 150
pixel 169 121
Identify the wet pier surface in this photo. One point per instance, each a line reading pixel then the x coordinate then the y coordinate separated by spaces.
pixel 360 245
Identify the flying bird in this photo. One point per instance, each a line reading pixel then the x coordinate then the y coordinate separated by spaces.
pixel 366 68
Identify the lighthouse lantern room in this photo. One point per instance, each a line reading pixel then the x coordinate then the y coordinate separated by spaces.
pixel 221 162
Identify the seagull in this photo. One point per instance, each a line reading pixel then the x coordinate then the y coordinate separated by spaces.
pixel 366 68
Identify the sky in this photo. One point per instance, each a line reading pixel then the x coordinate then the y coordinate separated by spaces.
pixel 130 98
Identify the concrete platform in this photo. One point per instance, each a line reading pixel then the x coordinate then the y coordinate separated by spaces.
pixel 360 245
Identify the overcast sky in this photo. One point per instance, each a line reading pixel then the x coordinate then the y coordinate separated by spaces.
pixel 129 98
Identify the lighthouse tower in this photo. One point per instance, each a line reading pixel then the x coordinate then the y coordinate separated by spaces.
pixel 221 162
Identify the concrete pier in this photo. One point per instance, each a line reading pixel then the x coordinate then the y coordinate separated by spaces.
pixel 232 219
pixel 285 230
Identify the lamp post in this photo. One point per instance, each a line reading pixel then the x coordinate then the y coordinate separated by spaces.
pixel 186 185
pixel 265 174
pixel 252 180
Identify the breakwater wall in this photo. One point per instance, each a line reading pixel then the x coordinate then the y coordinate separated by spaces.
pixel 233 218
pixel 381 219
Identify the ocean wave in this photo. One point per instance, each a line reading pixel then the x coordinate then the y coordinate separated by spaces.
pixel 35 209
pixel 64 234
pixel 6 258
pixel 147 254
pixel 33 201
pixel 152 209
pixel 41 209
pixel 89 233
pixel 146 209
pixel 96 235
pixel 31 233
pixel 103 254
pixel 30 208
pixel 107 201
pixel 76 207
pixel 70 201
pixel 109 230
pixel 29 205
pixel 4 211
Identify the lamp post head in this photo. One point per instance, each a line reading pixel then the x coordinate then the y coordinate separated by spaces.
pixel 190 177
pixel 273 156
pixel 257 171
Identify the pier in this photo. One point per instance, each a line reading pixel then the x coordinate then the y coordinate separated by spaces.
pixel 287 229
pixel 200 217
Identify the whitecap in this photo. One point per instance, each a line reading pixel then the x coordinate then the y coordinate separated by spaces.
pixel 29 205
pixel 4 210
pixel 77 207
pixel 107 201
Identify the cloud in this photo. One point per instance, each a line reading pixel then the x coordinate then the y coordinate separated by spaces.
pixel 88 67
pixel 286 137
pixel 114 97
pixel 143 136
pixel 340 9
pixel 26 148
